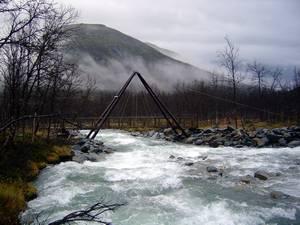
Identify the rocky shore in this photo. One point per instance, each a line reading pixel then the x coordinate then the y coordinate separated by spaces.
pixel 91 150
pixel 238 138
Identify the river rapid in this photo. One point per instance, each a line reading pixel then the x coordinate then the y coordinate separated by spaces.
pixel 163 191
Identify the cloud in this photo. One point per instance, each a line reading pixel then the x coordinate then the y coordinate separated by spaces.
pixel 264 29
pixel 164 75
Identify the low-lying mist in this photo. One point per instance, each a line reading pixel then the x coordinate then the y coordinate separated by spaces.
pixel 111 74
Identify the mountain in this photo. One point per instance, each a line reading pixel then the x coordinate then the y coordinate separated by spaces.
pixel 164 51
pixel 110 56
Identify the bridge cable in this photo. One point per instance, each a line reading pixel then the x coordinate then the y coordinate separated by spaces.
pixel 233 102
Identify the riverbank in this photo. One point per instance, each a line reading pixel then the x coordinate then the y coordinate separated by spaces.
pixel 20 165
pixel 230 137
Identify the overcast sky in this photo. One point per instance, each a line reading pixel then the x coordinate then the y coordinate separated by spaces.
pixel 266 30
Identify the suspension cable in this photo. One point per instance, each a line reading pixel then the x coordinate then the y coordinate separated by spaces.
pixel 233 102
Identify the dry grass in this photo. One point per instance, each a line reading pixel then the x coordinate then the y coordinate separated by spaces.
pixel 33 170
pixel 12 202
pixel 59 153
pixel 21 164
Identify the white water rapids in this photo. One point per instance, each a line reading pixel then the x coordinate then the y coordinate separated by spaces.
pixel 163 191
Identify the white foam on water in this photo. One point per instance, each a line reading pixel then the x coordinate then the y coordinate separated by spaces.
pixel 164 191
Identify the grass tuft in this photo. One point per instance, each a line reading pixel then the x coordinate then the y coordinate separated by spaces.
pixel 12 202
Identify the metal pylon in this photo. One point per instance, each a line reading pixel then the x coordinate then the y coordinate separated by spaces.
pixel 163 109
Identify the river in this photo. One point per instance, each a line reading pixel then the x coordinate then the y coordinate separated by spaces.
pixel 163 191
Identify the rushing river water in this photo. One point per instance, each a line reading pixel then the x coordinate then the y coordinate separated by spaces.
pixel 163 191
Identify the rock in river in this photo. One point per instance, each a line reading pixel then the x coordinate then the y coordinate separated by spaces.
pixel 294 144
pixel 212 169
pixel 278 195
pixel 247 179
pixel 261 142
pixel 171 157
pixel 189 164
pixel 262 175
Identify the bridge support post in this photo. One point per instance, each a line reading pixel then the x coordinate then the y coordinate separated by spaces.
pixel 165 112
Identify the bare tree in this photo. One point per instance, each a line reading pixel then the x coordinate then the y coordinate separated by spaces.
pixel 259 71
pixel 32 63
pixel 296 77
pixel 276 82
pixel 21 14
pixel 93 213
pixel 229 59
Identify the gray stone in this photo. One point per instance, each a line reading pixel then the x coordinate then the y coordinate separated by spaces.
pixel 239 146
pixel 93 157
pixel 79 158
pixel 247 179
pixel 81 142
pixel 252 134
pixel 97 150
pixel 179 158
pixel 212 177
pixel 171 157
pixel 214 144
pixel 229 129
pixel 190 140
pixel 151 133
pixel 211 169
pixel 227 143
pixel 203 157
pixel 294 144
pixel 85 148
pixel 208 131
pixel 76 147
pixel 168 131
pixel 189 164
pixel 273 138
pixel 156 135
pixel 198 142
pixel 282 142
pixel 262 175
pixel 278 195
pixel 98 143
pixel 108 151
pixel 261 142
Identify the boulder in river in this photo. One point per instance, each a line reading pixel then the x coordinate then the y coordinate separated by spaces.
pixel 190 140
pixel 81 142
pixel 261 142
pixel 171 157
pixel 294 144
pixel 273 138
pixel 189 164
pixel 203 157
pixel 85 148
pixel 247 179
pixel 278 195
pixel 168 131
pixel 198 142
pixel 262 175
pixel 282 142
pixel 212 169
pixel 229 129
pixel 215 144
pixel 108 150
pixel 76 147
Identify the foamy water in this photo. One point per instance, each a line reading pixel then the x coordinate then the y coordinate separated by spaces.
pixel 163 191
